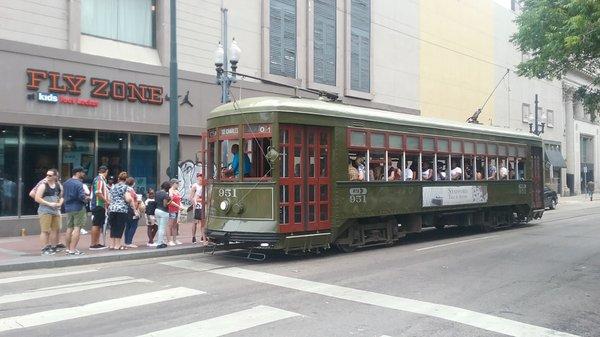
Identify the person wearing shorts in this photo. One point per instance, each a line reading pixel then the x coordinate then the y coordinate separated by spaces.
pixel 120 199
pixel 174 207
pixel 75 199
pixel 197 197
pixel 49 196
pixel 98 206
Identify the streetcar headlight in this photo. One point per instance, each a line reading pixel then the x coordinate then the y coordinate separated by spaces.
pixel 224 206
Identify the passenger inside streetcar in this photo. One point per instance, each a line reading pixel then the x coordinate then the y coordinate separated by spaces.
pixel 394 173
pixel 503 172
pixel 427 173
pixel 468 170
pixel 441 170
pixel 492 170
pixel 356 169
pixel 480 166
pixel 409 172
pixel 456 172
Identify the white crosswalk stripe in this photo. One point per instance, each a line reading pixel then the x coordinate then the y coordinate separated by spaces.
pixel 42 276
pixel 68 289
pixel 451 313
pixel 59 315
pixel 227 324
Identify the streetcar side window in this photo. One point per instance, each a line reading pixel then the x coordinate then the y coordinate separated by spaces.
pixel 376 165
pixel 357 166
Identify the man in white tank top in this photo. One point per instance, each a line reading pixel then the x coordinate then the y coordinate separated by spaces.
pixel 197 197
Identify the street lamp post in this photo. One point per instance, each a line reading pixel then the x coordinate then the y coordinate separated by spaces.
pixel 536 122
pixel 224 77
pixel 173 107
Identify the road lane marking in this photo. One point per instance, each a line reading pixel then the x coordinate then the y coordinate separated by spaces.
pixel 69 289
pixel 227 324
pixel 41 276
pixel 59 315
pixel 456 243
pixel 191 265
pixel 450 313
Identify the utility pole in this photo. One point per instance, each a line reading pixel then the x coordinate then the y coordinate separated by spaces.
pixel 174 100
pixel 224 84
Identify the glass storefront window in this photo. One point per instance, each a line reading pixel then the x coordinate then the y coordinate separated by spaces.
pixel 78 150
pixel 112 152
pixel 40 153
pixel 143 162
pixel 9 169
pixel 41 149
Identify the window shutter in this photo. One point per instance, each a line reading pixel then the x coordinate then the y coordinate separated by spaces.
pixel 325 41
pixel 282 37
pixel 360 44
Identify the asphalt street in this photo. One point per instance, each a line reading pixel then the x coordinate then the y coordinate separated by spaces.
pixel 540 279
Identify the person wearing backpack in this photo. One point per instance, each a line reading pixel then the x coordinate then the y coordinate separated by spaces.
pixel 49 196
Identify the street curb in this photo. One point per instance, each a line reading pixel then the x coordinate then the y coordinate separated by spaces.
pixel 69 261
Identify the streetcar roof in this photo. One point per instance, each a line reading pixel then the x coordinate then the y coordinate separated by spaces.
pixel 341 110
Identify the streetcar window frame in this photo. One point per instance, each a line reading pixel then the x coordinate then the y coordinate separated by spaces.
pixel 479 154
pixel 257 133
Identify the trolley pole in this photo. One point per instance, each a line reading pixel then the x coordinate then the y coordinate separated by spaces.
pixel 173 102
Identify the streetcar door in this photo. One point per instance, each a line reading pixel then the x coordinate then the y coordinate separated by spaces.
pixel 537 178
pixel 304 188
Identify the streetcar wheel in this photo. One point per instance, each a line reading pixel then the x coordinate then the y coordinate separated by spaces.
pixel 345 248
pixel 553 204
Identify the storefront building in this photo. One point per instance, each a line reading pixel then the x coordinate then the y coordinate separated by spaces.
pixel 62 109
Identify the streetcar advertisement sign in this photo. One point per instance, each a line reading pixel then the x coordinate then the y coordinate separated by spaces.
pixel 436 196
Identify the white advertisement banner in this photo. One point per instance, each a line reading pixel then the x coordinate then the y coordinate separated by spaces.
pixel 437 196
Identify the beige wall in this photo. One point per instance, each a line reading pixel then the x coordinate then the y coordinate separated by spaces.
pixel 456 56
pixel 43 23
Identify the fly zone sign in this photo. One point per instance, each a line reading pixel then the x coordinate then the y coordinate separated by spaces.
pixel 69 84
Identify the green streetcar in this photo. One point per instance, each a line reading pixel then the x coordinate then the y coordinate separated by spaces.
pixel 298 174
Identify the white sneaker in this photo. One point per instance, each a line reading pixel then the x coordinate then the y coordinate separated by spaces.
pixel 154 244
pixel 178 242
pixel 83 231
pixel 171 243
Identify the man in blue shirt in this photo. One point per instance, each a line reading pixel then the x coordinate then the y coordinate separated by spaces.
pixel 75 199
pixel 235 163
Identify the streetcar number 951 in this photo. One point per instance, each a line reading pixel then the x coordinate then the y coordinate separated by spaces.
pixel 227 193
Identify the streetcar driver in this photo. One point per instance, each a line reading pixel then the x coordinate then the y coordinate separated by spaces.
pixel 234 167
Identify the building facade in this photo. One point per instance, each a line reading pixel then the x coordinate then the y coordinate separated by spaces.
pixel 85 82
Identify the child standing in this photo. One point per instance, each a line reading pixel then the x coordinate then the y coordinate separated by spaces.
pixel 150 218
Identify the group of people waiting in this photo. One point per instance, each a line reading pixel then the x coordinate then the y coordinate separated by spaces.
pixel 114 205
pixel 357 171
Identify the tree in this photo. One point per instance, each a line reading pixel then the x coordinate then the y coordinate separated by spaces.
pixel 562 36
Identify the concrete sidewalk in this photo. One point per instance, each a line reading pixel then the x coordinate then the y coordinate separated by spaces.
pixel 24 252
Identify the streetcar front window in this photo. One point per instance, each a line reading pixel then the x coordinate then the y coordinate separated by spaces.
pixel 257 142
pixel 230 159
pixel 256 150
